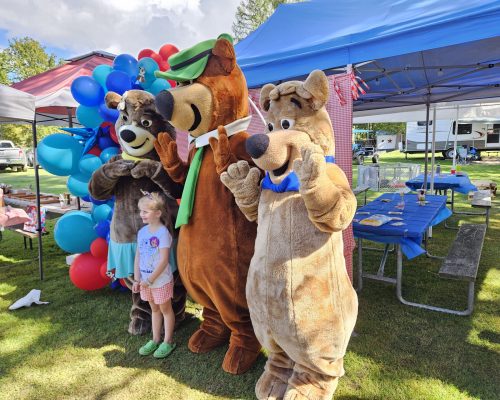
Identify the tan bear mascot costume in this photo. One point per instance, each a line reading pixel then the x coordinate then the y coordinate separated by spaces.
pixel 216 241
pixel 301 301
pixel 125 176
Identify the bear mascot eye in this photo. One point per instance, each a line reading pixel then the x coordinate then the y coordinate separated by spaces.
pixel 270 126
pixel 146 123
pixel 124 117
pixel 287 123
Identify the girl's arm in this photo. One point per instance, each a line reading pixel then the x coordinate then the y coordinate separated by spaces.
pixel 137 272
pixel 161 265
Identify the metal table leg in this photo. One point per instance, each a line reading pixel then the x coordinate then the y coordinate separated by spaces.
pixel 399 295
pixel 360 265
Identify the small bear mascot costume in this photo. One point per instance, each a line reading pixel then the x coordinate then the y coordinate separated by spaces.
pixel 126 176
pixel 216 241
pixel 302 304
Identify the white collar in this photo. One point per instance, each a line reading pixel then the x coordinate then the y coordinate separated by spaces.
pixel 234 127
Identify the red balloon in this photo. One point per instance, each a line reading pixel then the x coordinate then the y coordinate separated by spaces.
pixel 103 270
pixel 167 50
pixel 96 151
pixel 145 53
pixel 172 83
pixel 84 272
pixel 99 248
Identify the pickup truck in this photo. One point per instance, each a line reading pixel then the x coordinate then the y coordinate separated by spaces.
pixel 12 156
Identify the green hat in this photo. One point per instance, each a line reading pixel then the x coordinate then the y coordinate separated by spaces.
pixel 190 63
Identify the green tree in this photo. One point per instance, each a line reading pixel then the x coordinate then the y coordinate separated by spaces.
pixel 24 57
pixel 3 71
pixel 250 14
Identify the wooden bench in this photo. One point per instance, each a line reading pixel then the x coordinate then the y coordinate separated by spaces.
pixel 482 200
pixel 28 235
pixel 462 261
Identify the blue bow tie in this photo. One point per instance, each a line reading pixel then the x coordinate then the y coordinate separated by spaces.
pixel 290 183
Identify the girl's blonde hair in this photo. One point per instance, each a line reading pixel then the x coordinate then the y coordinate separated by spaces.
pixel 155 201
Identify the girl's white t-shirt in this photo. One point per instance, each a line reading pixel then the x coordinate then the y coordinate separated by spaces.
pixel 149 245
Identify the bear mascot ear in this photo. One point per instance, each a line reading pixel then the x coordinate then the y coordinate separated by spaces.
pixel 265 99
pixel 112 100
pixel 223 53
pixel 317 85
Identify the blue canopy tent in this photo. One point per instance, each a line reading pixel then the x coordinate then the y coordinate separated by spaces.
pixel 409 52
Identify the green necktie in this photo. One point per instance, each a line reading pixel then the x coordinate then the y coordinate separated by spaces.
pixel 187 199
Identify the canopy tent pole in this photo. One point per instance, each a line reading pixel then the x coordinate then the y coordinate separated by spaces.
pixel 427 110
pixel 455 140
pixel 433 158
pixel 38 213
pixel 433 155
pixel 70 125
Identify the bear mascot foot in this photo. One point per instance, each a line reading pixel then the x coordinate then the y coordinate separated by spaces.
pixel 202 342
pixel 270 387
pixel 323 390
pixel 239 360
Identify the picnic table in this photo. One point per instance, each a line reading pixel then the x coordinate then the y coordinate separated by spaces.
pixel 456 183
pixel 407 233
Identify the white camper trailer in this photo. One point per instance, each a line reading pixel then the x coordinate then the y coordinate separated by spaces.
pixel 483 136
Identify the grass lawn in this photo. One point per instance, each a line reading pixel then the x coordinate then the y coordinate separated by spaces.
pixel 78 347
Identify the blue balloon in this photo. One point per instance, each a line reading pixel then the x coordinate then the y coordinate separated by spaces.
pixel 126 63
pixel 136 86
pixel 86 198
pixel 102 228
pixel 87 91
pixel 119 82
pixel 97 202
pixel 89 163
pixel 89 116
pixel 108 114
pixel 105 141
pixel 108 238
pixel 158 85
pixel 60 154
pixel 100 213
pixel 147 67
pixel 100 73
pixel 66 228
pixel 78 184
pixel 109 152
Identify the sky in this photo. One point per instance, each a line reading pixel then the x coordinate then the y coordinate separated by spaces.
pixel 70 28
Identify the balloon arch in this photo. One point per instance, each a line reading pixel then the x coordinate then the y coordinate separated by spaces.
pixel 79 155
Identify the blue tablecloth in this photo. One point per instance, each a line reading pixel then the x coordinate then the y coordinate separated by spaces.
pixel 460 184
pixel 416 219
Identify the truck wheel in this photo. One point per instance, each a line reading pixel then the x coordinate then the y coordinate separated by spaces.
pixel 360 159
pixel 2 168
pixel 375 158
pixel 24 168
pixel 449 154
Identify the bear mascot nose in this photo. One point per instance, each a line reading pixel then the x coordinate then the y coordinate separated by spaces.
pixel 127 135
pixel 257 145
pixel 164 102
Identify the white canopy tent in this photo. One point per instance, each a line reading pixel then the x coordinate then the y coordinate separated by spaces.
pixel 19 107
pixel 15 105
pixel 485 110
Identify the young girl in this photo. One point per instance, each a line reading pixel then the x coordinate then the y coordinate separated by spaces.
pixel 153 274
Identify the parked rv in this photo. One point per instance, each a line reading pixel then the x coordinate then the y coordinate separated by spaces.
pixel 480 135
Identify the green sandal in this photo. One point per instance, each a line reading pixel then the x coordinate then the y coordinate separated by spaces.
pixel 148 348
pixel 164 350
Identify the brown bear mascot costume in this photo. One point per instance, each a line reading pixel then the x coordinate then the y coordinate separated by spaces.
pixel 301 301
pixel 216 241
pixel 126 176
